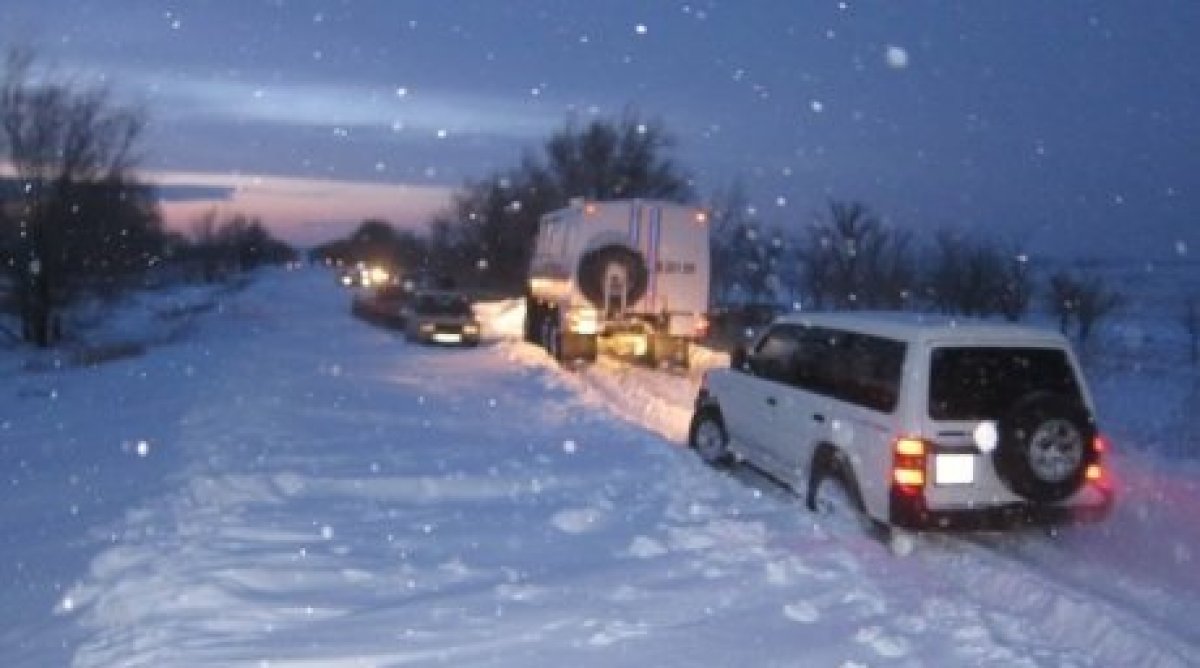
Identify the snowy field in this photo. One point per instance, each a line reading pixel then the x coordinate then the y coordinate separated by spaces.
pixel 276 483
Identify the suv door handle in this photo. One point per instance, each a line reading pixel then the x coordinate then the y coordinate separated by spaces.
pixel 817 417
pixel 771 401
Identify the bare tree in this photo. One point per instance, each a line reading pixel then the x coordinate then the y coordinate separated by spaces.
pixel 977 277
pixel 62 143
pixel 205 248
pixel 854 261
pixel 239 244
pixel 758 256
pixel 1085 300
pixel 816 267
pixel 965 275
pixel 1016 288
pixel 613 160
pixel 377 241
pixel 729 218
pixel 1063 300
pixel 1096 302
pixel 495 220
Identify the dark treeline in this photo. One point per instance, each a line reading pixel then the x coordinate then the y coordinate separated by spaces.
pixel 848 258
pixel 218 248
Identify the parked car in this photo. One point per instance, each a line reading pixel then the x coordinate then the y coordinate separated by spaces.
pixel 383 305
pixel 732 325
pixel 913 422
pixel 440 316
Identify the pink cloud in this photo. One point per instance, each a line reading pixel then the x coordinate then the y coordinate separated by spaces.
pixel 303 211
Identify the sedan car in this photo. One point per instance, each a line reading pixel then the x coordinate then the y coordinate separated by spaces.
pixel 441 317
pixel 383 305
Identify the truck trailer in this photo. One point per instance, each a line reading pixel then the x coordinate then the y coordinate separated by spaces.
pixel 628 275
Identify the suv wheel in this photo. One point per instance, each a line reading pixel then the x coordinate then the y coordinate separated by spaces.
pixel 708 438
pixel 832 488
pixel 1045 447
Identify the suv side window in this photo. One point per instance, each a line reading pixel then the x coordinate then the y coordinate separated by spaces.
pixel 814 360
pixel 868 370
pixel 773 357
pixel 852 367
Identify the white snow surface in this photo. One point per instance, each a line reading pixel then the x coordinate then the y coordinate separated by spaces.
pixel 288 486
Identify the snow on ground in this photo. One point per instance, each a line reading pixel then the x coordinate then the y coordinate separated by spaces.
pixel 288 486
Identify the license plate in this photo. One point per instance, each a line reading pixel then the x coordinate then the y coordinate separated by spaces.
pixel 447 338
pixel 954 469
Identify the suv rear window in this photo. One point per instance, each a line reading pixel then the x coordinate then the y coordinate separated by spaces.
pixel 973 383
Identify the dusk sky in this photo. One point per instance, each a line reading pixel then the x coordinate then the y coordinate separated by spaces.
pixel 1064 124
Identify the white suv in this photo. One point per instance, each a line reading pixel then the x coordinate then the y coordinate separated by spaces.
pixel 923 422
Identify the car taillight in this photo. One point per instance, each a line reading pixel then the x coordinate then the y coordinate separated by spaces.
pixel 908 464
pixel 701 328
pixel 1095 470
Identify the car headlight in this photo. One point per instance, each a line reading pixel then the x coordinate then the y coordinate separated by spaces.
pixel 470 328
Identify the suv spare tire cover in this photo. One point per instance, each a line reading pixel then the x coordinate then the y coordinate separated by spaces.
pixel 593 267
pixel 1045 447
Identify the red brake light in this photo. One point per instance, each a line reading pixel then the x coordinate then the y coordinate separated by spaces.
pixel 1095 471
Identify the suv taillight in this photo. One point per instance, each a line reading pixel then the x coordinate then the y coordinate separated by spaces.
pixel 1095 470
pixel 908 464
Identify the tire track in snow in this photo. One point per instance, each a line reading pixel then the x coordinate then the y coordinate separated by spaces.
pixel 1113 634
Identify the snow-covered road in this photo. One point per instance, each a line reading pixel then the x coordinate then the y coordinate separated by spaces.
pixel 292 487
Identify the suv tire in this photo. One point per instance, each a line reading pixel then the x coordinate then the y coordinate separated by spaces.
pixel 707 437
pixel 1045 447
pixel 831 473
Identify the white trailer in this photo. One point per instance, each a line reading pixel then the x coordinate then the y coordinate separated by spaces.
pixel 630 274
